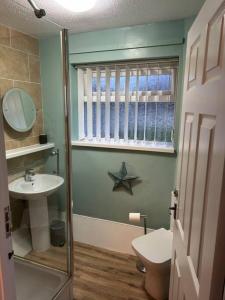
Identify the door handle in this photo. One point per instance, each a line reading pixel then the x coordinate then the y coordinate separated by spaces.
pixel 174 210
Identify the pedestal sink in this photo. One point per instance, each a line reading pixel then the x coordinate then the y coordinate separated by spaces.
pixel 36 193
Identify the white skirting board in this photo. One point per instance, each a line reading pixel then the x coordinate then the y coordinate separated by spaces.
pixel 106 234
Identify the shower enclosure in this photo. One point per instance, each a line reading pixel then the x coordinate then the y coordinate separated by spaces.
pixel 43 270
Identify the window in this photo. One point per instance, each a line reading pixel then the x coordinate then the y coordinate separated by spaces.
pixel 130 104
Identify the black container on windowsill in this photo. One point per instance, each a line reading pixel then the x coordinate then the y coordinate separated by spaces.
pixel 43 139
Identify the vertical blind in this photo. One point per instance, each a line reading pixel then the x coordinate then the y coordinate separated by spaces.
pixel 127 103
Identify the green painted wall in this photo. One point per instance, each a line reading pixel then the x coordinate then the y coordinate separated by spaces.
pixel 92 187
pixel 132 42
pixel 53 107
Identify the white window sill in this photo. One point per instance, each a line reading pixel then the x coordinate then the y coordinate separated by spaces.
pixel 131 145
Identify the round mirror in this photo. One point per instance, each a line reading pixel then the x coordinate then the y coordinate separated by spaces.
pixel 19 110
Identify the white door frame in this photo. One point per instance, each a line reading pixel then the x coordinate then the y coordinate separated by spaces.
pixel 7 277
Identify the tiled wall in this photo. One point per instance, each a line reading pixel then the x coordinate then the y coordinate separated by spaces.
pixel 20 67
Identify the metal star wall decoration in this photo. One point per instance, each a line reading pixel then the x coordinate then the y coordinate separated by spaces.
pixel 122 179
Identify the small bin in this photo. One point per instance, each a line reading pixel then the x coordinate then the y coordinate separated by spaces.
pixel 57 233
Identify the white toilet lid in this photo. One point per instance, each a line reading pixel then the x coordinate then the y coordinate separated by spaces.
pixel 155 246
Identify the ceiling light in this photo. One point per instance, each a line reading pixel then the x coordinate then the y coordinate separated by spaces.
pixel 77 5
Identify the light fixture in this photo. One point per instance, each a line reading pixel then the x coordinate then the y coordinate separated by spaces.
pixel 77 5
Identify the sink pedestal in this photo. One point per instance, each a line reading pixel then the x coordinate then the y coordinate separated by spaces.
pixel 39 223
pixel 36 192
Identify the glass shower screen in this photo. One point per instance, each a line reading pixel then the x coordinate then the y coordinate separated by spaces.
pixel 41 201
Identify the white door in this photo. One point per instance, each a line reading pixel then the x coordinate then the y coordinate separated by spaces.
pixel 198 263
pixel 7 281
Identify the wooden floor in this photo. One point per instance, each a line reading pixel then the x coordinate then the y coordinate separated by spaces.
pixel 54 257
pixel 105 275
pixel 99 274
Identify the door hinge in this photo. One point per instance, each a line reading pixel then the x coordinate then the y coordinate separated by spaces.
pixel 8 223
pixel 175 193
pixel 10 254
pixel 174 209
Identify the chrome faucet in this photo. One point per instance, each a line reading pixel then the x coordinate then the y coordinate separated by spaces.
pixel 29 174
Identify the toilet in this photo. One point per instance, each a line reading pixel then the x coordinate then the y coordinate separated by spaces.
pixel 155 252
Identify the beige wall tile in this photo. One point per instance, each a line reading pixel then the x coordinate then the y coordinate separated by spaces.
pixel 37 156
pixel 6 137
pixel 34 160
pixel 4 35
pixel 32 140
pixel 12 144
pixel 38 166
pixel 34 90
pixel 13 64
pixel 5 85
pixel 15 165
pixel 15 175
pixel 15 139
pixel 9 133
pixel 19 66
pixel 37 129
pixel 34 68
pixel 8 145
pixel 40 120
pixel 14 135
pixel 24 42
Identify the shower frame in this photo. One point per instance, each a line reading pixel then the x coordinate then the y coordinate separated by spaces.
pixel 6 266
pixel 66 291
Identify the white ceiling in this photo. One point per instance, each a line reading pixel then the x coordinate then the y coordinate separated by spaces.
pixel 106 14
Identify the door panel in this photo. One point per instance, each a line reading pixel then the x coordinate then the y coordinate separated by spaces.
pixel 175 281
pixel 196 216
pixel 185 163
pixel 201 209
pixel 7 281
pixel 215 36
pixel 193 65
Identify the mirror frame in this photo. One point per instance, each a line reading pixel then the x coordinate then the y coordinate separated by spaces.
pixel 7 119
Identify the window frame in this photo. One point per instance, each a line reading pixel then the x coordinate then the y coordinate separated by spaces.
pixel 141 145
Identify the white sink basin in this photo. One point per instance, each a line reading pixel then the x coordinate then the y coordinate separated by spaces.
pixel 36 193
pixel 42 186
